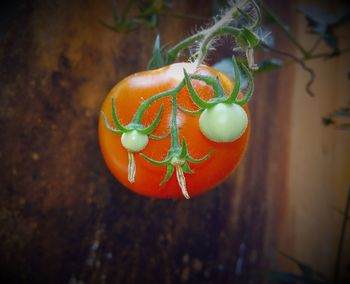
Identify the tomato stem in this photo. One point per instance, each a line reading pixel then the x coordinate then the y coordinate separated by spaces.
pixel 146 104
pixel 245 38
pixel 173 128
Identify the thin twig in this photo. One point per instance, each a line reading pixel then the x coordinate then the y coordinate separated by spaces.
pixel 183 16
pixel 327 54
pixel 301 63
pixel 315 45
pixel 283 28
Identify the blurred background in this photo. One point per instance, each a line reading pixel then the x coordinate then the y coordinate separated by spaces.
pixel 279 218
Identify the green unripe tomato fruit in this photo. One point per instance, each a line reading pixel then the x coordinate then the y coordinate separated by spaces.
pixel 223 122
pixel 134 141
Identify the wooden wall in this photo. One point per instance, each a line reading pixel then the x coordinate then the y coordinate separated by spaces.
pixel 319 167
pixel 64 218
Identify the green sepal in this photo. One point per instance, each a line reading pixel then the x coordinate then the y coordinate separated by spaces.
pixel 169 173
pixel 211 81
pixel 193 94
pixel 158 137
pixel 184 150
pixel 250 88
pixel 115 119
pixel 193 160
pixel 154 124
pixel 186 168
pixel 110 128
pixel 155 162
pixel 237 83
pixel 192 112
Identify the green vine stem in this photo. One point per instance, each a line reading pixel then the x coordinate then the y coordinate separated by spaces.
pixel 245 36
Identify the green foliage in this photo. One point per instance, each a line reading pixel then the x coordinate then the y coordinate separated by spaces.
pixel 268 65
pixel 324 24
pixel 158 58
pixel 340 118
pixel 308 274
pixel 147 14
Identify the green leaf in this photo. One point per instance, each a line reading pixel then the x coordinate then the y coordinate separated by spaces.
pixel 268 65
pixel 327 120
pixel 115 11
pixel 282 277
pixel 157 59
pixel 108 26
pixel 323 23
pixel 250 37
pixel 308 272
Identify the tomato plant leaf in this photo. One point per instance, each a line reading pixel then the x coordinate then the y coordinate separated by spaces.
pixel 308 273
pixel 249 37
pixel 157 59
pixel 115 11
pixel 286 278
pixel 268 65
pixel 323 23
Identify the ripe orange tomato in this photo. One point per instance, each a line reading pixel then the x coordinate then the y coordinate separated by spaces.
pixel 129 94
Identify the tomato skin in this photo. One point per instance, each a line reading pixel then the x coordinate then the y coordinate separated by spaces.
pixel 128 95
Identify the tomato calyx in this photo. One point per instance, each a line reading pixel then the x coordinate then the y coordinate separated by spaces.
pixel 177 159
pixel 222 118
pixel 134 136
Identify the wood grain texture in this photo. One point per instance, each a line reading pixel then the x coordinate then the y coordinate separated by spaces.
pixel 63 217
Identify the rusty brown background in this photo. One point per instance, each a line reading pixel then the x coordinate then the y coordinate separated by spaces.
pixel 64 218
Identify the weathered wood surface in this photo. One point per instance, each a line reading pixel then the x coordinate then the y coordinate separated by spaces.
pixel 63 217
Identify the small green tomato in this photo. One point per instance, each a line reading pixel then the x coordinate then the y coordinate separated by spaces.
pixel 134 141
pixel 223 122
